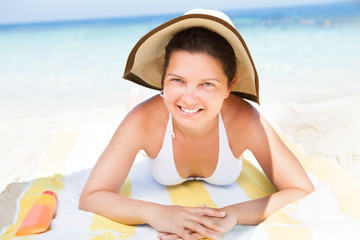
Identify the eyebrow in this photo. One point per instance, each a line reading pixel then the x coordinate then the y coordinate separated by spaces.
pixel 202 80
pixel 174 75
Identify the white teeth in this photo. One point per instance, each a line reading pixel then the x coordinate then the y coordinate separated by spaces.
pixel 189 110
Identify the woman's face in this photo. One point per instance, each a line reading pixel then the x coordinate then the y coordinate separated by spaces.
pixel 195 87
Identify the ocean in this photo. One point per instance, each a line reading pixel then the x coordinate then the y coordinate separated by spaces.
pixel 302 54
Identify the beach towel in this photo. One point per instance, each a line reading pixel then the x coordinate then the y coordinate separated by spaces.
pixel 332 211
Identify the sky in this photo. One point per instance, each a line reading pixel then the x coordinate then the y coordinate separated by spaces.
pixel 29 11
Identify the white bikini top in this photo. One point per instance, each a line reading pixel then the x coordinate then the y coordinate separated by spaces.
pixel 227 170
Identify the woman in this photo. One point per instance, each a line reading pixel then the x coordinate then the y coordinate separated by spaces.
pixel 196 129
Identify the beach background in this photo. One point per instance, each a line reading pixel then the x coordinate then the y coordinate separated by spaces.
pixel 68 74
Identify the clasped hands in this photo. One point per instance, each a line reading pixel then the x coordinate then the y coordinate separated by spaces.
pixel 192 223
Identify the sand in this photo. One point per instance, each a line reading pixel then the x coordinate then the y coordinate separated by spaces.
pixel 328 129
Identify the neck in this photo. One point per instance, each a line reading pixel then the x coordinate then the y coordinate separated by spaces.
pixel 196 132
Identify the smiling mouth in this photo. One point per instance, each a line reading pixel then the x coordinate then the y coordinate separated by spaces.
pixel 188 110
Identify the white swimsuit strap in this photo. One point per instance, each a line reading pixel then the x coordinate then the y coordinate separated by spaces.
pixel 164 170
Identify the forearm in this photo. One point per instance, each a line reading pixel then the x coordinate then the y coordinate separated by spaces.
pixel 118 208
pixel 256 211
pixel 163 218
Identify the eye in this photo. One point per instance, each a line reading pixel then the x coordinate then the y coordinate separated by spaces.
pixel 176 80
pixel 208 84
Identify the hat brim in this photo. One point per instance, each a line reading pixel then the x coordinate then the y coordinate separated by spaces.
pixel 145 62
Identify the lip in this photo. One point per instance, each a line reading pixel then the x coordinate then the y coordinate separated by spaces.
pixel 189 111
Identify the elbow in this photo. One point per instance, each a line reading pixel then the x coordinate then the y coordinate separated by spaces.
pixel 309 191
pixel 81 205
pixel 83 202
pixel 309 188
pixel 305 188
pixel 306 191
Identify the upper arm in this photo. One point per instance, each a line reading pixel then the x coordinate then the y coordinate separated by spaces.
pixel 277 161
pixel 114 164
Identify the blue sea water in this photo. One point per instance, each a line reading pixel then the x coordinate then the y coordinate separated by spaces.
pixel 304 54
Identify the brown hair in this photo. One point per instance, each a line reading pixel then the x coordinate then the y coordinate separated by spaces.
pixel 199 39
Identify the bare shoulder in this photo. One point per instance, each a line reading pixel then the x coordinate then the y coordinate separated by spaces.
pixel 148 122
pixel 239 113
pixel 147 113
pixel 241 120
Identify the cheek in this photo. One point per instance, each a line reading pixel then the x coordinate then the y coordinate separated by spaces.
pixel 171 92
pixel 171 95
pixel 213 95
pixel 211 99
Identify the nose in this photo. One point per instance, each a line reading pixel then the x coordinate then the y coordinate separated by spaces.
pixel 190 95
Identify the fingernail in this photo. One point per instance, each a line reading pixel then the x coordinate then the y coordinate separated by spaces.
pixel 220 229
pixel 223 213
pixel 213 236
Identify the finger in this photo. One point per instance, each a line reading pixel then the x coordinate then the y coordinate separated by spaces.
pixel 162 235
pixel 194 235
pixel 200 229
pixel 206 211
pixel 210 224
pixel 168 236
pixel 207 222
pixel 197 236
pixel 185 234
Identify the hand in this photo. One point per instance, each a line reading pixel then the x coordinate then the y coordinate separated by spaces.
pixel 185 221
pixel 227 223
pixel 172 236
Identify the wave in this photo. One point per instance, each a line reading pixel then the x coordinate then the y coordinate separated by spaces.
pixel 306 14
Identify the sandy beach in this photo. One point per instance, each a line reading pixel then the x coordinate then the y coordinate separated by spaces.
pixel 67 76
pixel 328 129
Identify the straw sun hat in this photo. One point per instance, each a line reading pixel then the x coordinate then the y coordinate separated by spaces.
pixel 145 62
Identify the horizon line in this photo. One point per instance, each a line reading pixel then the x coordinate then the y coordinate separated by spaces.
pixel 143 17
